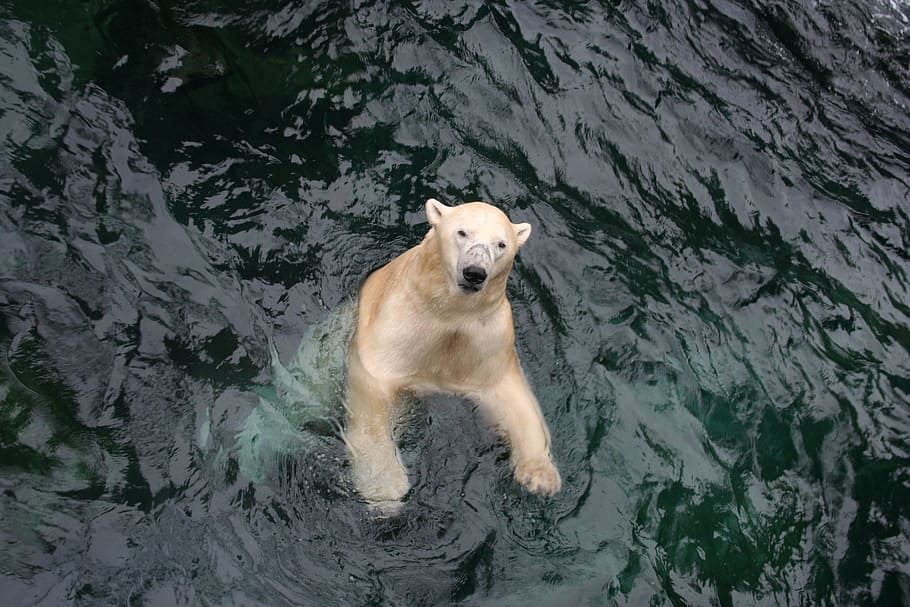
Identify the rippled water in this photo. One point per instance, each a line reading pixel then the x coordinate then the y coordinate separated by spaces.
pixel 713 308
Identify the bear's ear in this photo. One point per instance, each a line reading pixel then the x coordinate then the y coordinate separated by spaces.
pixel 435 211
pixel 522 231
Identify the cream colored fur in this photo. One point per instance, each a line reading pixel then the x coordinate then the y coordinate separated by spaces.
pixel 420 329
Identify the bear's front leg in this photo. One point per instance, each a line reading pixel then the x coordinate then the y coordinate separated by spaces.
pixel 514 409
pixel 378 473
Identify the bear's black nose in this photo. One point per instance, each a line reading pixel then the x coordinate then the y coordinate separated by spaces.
pixel 474 274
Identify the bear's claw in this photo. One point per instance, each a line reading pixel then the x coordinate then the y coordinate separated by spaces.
pixel 538 476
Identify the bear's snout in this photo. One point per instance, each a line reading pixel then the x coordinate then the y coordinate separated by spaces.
pixel 473 267
pixel 474 274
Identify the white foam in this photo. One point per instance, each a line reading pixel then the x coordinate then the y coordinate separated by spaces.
pixel 309 388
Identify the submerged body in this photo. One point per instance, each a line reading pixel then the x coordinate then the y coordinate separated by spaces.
pixel 436 318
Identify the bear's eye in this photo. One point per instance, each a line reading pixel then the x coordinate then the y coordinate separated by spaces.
pixel 462 234
pixel 501 245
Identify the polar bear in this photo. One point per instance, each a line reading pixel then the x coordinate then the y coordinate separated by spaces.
pixel 436 319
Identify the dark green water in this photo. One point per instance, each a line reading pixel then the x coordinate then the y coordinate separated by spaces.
pixel 713 308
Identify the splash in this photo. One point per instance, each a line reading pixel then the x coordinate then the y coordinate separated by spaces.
pixel 304 398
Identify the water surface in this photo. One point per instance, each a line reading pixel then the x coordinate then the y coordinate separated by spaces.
pixel 713 308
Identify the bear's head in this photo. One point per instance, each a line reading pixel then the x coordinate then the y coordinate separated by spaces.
pixel 477 243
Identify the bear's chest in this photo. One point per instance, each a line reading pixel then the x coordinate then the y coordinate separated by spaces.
pixel 455 358
pixel 450 356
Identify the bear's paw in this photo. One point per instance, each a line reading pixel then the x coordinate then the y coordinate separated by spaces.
pixel 538 476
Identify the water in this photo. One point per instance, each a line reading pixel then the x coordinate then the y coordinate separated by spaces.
pixel 713 307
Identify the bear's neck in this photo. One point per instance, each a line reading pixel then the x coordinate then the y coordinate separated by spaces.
pixel 439 293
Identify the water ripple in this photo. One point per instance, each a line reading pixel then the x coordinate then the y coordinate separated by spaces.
pixel 713 308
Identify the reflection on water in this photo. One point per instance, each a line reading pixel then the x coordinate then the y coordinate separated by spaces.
pixel 713 308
